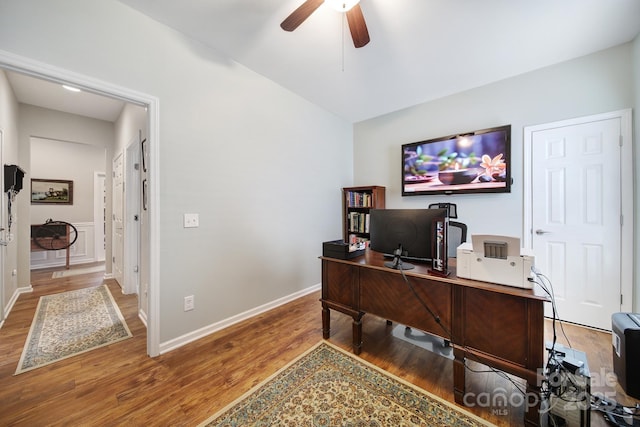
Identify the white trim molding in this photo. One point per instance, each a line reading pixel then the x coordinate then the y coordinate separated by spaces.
pixel 81 252
pixel 12 301
pixel 215 327
pixel 49 72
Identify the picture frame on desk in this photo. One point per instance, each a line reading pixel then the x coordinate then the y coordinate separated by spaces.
pixel 51 192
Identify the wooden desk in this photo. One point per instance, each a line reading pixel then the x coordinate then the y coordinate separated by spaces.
pixel 500 326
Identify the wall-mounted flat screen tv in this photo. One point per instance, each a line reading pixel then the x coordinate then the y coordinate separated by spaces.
pixel 470 162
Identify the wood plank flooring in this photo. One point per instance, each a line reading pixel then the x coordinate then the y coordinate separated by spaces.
pixel 120 385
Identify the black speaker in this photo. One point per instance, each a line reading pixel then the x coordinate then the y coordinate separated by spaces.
pixel 13 177
pixel 626 351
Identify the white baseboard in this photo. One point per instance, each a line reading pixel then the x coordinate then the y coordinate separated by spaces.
pixel 13 300
pixel 81 252
pixel 143 317
pixel 175 343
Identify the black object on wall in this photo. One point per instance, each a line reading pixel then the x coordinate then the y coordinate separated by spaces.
pixel 13 178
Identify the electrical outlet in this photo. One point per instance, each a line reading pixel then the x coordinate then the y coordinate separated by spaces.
pixel 191 220
pixel 188 303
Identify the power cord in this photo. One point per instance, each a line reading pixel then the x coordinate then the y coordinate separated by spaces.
pixel 449 335
pixel 614 413
pixel 424 304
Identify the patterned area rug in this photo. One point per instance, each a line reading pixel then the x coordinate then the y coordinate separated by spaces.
pixel 327 386
pixel 70 323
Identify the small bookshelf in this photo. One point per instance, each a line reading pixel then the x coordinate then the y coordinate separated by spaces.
pixel 356 204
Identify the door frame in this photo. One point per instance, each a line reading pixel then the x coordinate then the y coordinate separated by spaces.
pixel 99 218
pixel 118 163
pixel 49 72
pixel 626 188
pixel 131 213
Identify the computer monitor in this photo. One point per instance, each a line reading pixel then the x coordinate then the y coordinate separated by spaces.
pixel 418 235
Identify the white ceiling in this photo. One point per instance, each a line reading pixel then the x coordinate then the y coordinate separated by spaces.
pixel 47 94
pixel 420 50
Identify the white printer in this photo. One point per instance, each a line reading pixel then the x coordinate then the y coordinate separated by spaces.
pixel 495 259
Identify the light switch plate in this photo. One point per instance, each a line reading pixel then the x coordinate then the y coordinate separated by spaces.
pixel 191 220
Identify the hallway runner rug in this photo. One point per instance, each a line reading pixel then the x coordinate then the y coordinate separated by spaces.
pixel 327 386
pixel 71 323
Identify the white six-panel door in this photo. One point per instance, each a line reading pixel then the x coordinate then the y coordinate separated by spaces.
pixel 576 217
pixel 117 244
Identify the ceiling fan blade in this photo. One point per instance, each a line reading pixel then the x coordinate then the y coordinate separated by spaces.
pixel 358 27
pixel 298 16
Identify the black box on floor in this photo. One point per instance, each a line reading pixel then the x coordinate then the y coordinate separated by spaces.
pixel 570 381
pixel 626 351
pixel 339 249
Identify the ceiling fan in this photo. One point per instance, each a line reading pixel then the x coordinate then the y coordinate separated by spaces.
pixel 355 18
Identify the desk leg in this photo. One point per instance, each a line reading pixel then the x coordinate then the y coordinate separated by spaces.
pixel 68 240
pixel 357 333
pixel 458 375
pixel 326 322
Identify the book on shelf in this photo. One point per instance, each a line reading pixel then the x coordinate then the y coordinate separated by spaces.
pixel 358 222
pixel 359 199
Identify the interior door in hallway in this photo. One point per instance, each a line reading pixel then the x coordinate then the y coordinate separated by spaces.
pixel 576 217
pixel 117 244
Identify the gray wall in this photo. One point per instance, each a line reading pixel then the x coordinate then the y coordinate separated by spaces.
pixel 589 85
pixel 44 123
pixel 77 162
pixel 9 127
pixel 262 166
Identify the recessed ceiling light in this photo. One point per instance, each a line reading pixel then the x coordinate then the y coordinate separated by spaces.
pixel 71 88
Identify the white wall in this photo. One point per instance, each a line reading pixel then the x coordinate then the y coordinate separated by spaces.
pixel 132 124
pixel 9 127
pixel 262 166
pixel 593 84
pixel 81 133
pixel 76 162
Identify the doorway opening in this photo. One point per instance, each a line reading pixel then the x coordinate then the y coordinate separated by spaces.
pixel 48 73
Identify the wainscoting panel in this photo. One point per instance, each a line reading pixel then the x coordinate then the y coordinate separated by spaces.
pixel 81 252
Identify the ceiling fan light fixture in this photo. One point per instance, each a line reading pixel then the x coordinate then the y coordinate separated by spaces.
pixel 341 5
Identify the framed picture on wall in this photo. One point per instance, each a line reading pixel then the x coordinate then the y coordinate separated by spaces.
pixel 51 191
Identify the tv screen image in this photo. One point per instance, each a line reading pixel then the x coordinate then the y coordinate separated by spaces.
pixel 472 162
pixel 418 232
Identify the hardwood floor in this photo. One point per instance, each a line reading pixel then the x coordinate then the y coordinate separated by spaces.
pixel 120 385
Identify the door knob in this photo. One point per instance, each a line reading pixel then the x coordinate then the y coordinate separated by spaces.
pixel 539 232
